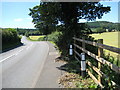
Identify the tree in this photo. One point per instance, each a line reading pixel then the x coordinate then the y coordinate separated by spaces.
pixel 48 14
pixel 100 30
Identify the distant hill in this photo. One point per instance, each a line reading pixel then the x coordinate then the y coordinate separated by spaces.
pixel 98 24
pixel 104 24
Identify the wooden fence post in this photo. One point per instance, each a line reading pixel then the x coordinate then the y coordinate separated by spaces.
pixel 83 61
pixel 83 43
pixel 74 46
pixel 100 54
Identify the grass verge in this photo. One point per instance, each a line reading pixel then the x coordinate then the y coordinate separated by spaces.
pixel 72 77
pixel 73 80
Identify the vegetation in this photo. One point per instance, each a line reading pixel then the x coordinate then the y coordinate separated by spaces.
pixel 10 38
pixel 103 25
pixel 109 38
pixel 72 77
pixel 112 75
pixel 36 38
pixel 47 15
pixel 72 80
pixel 28 32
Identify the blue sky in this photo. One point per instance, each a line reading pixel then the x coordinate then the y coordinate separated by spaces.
pixel 15 14
pixel 112 16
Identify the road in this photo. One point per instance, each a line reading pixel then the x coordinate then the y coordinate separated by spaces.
pixel 21 67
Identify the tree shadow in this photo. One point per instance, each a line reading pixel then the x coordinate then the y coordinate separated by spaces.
pixel 71 66
pixel 13 47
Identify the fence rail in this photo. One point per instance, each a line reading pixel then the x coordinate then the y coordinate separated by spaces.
pixel 98 58
pixel 113 49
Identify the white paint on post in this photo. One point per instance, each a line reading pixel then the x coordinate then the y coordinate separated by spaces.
pixel 83 62
pixel 70 46
pixel 70 50
pixel 83 56
pixel 83 65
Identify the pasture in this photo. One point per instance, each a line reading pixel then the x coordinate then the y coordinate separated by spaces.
pixel 35 38
pixel 109 38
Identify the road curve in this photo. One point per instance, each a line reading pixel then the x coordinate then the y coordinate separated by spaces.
pixel 21 67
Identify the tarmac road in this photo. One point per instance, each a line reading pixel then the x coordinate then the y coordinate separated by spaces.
pixel 21 67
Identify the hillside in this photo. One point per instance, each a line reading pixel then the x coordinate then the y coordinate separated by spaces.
pixel 104 24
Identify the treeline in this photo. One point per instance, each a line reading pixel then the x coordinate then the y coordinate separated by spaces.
pixel 103 26
pixel 28 32
pixel 9 38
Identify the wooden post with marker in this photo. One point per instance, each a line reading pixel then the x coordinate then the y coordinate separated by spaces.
pixel 100 54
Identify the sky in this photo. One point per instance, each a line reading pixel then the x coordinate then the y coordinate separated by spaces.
pixel 112 16
pixel 15 14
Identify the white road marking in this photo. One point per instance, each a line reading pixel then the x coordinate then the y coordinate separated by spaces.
pixel 15 54
pixel 20 50
pixel 7 58
pixel 30 46
pixel 11 56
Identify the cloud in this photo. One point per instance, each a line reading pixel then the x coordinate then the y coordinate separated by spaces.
pixel 18 20
pixel 23 23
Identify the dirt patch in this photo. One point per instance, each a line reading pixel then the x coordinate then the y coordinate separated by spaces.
pixel 72 80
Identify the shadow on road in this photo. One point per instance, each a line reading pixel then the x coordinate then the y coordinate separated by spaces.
pixel 5 50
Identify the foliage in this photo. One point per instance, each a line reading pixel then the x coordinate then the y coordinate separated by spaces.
pixel 54 36
pixel 72 78
pixel 42 38
pixel 9 36
pixel 86 83
pixel 100 30
pixel 47 15
pixel 28 32
pixel 112 75
pixel 104 25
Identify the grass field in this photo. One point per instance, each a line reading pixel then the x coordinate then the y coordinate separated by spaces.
pixel 35 38
pixel 109 38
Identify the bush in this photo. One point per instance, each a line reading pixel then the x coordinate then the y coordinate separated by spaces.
pixel 100 30
pixel 9 36
pixel 41 38
pixel 54 36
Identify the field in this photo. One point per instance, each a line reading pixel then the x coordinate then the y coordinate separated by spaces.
pixel 35 38
pixel 109 38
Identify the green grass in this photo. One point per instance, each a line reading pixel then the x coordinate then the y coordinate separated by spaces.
pixel 109 38
pixel 35 38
